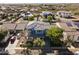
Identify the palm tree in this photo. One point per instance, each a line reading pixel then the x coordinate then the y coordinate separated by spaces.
pixel 69 41
pixel 49 19
pixel 39 42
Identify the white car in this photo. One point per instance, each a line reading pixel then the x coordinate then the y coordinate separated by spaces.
pixel 18 35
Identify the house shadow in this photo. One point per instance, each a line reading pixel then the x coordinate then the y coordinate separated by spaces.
pixel 56 50
pixel 60 51
pixel 4 44
pixel 45 50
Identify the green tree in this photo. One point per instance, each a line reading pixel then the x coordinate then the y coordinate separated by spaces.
pixel 37 16
pixel 69 41
pixel 53 17
pixel 2 34
pixel 49 18
pixel 28 45
pixel 31 18
pixel 39 42
pixel 55 33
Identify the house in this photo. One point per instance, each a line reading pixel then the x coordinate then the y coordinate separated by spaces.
pixel 15 26
pixel 10 27
pixel 20 26
pixel 24 14
pixel 37 29
pixel 34 9
pixel 71 29
pixel 3 7
pixel 64 14
pixel 28 14
pixel 46 13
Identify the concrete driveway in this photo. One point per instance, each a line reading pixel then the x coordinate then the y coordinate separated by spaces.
pixel 11 47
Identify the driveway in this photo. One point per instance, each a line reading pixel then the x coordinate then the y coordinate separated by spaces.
pixel 11 47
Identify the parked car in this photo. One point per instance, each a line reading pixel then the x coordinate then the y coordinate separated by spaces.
pixel 13 38
pixel 18 35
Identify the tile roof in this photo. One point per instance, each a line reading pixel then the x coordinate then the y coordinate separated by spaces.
pixel 17 26
pixel 9 26
pixel 69 30
pixel 39 25
pixel 65 27
pixel 21 26
pixel 73 33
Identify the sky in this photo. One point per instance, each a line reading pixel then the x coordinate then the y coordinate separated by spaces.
pixel 39 1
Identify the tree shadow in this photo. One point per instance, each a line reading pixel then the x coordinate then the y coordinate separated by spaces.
pixel 4 44
pixel 61 49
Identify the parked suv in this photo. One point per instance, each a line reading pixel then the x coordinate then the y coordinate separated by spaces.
pixel 12 40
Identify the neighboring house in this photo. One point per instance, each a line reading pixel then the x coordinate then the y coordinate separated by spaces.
pixel 64 13
pixel 46 13
pixel 9 26
pixel 21 27
pixel 26 14
pixel 15 27
pixel 22 15
pixel 34 9
pixel 3 8
pixel 71 29
pixel 12 28
pixel 37 29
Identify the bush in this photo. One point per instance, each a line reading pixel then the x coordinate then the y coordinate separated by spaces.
pixel 55 34
pixel 30 18
pixel 38 42
pixel 2 35
pixel 28 45
pixel 49 18
pixel 77 13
